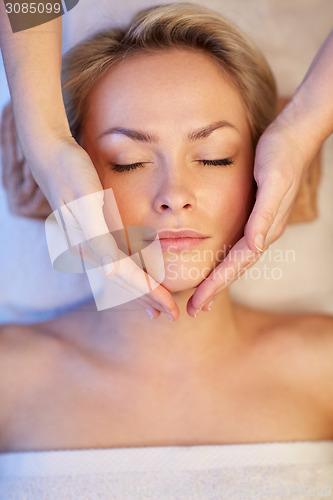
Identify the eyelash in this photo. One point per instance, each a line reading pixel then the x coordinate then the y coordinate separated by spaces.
pixel 216 163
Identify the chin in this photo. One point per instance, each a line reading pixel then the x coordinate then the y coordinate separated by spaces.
pixel 174 287
pixel 180 278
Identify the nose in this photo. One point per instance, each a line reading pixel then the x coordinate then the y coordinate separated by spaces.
pixel 175 192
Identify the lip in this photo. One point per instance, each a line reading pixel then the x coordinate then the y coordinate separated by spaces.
pixel 179 233
pixel 182 239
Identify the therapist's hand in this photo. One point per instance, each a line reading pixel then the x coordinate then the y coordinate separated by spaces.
pixel 283 153
pixel 63 170
pixel 67 174
pixel 280 160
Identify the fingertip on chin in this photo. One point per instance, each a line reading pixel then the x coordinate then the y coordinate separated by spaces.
pixel 191 311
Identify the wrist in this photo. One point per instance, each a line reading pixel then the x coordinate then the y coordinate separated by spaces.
pixel 42 135
pixel 40 116
pixel 303 125
pixel 41 146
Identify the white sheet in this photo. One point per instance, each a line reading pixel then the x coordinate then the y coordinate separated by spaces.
pixel 263 470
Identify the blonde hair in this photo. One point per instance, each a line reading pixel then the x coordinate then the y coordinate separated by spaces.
pixel 182 25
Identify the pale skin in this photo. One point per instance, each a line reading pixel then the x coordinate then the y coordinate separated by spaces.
pixel 283 154
pixel 32 59
pixel 115 378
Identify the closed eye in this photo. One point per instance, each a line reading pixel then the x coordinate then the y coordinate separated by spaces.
pixel 127 168
pixel 132 166
pixel 218 163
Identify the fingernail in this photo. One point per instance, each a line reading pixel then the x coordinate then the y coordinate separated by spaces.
pixel 210 305
pixel 169 316
pixel 259 242
pixel 165 309
pixel 150 313
pixel 108 265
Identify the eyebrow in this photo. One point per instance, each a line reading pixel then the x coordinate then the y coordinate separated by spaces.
pixel 137 135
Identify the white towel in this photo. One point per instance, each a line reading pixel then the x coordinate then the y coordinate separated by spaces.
pixel 233 472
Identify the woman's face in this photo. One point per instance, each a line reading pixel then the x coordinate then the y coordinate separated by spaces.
pixel 168 133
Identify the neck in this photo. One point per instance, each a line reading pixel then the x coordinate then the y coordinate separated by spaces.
pixel 126 336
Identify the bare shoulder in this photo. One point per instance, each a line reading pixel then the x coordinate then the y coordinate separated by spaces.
pixel 302 338
pixel 283 323
pixel 26 353
pixel 23 348
pixel 20 342
pixel 314 324
pixel 298 347
pixel 312 357
pixel 313 332
pixel 310 335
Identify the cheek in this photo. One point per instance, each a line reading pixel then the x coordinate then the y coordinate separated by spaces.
pixel 242 203
pixel 230 206
pixel 133 201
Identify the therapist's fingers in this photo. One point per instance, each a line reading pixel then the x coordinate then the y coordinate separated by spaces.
pixel 89 232
pixel 269 217
pixel 132 279
pixel 89 215
pixel 273 201
pixel 239 259
pixel 278 168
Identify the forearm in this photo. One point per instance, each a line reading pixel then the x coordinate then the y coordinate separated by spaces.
pixel 310 112
pixel 32 60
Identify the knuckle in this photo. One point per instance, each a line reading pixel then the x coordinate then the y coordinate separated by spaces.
pixel 268 216
pixel 278 174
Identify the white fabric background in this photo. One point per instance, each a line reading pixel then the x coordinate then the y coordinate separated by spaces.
pixel 295 274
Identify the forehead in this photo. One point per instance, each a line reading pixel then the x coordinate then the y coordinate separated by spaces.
pixel 175 84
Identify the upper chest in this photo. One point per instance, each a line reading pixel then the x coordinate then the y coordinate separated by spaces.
pixel 255 397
